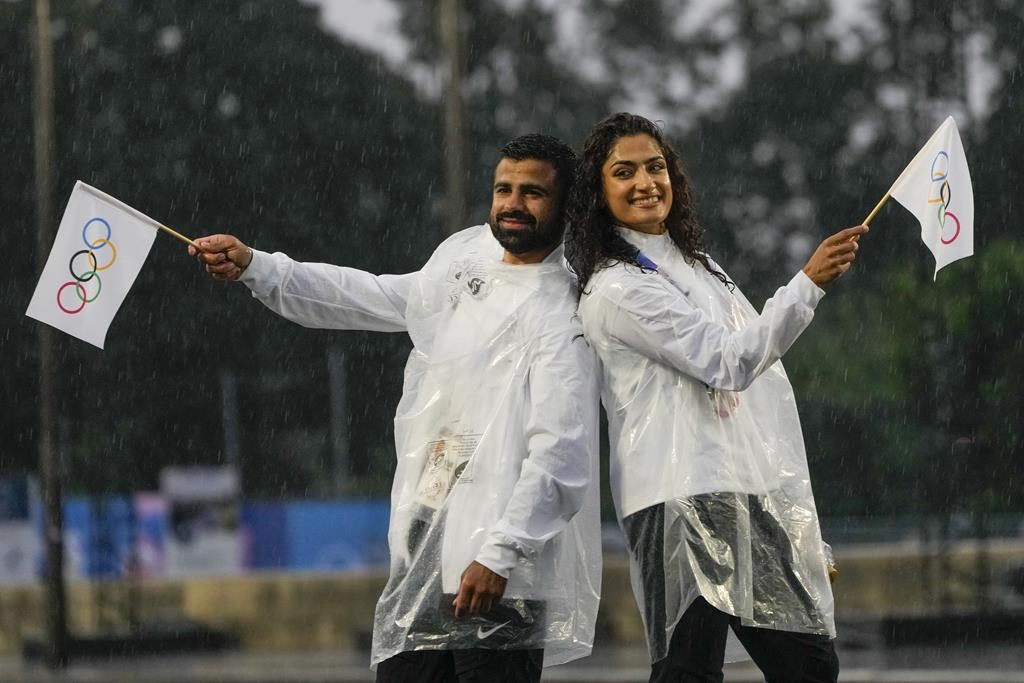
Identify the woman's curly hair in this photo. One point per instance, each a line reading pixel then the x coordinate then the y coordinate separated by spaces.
pixel 592 241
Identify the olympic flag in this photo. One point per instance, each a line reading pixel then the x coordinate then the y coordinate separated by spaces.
pixel 936 188
pixel 98 252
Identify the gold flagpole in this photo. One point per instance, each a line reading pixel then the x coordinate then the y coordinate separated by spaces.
pixel 878 207
pixel 174 233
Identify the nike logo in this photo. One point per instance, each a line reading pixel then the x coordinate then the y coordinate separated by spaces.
pixel 481 633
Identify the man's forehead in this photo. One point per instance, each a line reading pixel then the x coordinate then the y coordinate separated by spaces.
pixel 533 171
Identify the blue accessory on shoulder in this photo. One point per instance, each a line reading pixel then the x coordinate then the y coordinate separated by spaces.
pixel 646 263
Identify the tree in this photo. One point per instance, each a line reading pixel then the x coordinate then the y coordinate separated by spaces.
pixel 241 117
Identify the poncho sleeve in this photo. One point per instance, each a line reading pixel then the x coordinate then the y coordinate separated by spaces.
pixel 646 313
pixel 561 430
pixel 321 295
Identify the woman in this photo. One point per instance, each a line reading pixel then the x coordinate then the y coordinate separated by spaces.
pixel 708 470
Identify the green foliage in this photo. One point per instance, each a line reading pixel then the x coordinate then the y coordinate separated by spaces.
pixel 517 80
pixel 245 117
pixel 240 117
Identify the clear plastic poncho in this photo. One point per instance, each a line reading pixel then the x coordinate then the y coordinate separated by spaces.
pixel 708 469
pixel 496 439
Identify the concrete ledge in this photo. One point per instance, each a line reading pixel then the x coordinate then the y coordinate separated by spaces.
pixel 288 612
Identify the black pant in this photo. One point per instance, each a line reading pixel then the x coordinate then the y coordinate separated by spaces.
pixel 696 651
pixel 462 666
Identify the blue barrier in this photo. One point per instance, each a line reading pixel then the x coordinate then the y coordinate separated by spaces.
pixel 293 536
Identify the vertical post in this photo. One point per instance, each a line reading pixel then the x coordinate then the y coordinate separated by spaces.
pixel 229 416
pixel 454 155
pixel 338 428
pixel 44 143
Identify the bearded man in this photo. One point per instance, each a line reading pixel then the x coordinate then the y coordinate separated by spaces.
pixel 494 531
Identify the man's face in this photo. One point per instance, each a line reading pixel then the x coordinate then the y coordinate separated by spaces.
pixel 526 209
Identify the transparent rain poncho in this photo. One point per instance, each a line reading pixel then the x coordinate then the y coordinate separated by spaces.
pixel 708 470
pixel 496 439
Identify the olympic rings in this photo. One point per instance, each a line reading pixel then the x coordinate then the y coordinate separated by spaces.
pixel 81 296
pixel 92 263
pixel 113 254
pixel 80 289
pixel 943 174
pixel 91 275
pixel 85 229
pixel 940 175
pixel 955 234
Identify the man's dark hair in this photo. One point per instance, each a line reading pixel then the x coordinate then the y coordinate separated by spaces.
pixel 545 148
pixel 591 240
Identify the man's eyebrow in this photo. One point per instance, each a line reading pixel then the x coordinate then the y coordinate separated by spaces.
pixel 525 187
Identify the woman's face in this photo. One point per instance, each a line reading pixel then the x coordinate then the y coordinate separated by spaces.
pixel 637 189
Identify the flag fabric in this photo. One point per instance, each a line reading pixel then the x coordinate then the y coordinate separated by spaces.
pixel 99 250
pixel 936 188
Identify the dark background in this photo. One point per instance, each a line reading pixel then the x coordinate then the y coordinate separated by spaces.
pixel 250 118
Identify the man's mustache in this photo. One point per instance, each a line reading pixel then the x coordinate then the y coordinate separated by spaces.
pixel 516 216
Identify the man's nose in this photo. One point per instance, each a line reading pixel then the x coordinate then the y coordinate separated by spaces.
pixel 515 201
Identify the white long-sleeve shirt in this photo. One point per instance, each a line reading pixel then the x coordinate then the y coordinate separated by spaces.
pixel 501 387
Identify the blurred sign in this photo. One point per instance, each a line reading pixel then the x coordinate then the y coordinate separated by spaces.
pixel 151 535
pixel 203 537
pixel 19 542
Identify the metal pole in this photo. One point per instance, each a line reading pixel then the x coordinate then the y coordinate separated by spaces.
pixel 229 413
pixel 49 458
pixel 339 419
pixel 454 154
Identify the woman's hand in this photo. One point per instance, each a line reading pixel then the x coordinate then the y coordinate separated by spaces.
pixel 834 256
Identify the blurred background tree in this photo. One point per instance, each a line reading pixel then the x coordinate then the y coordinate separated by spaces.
pixel 241 117
pixel 793 121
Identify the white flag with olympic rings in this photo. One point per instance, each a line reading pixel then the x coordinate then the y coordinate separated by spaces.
pixel 936 188
pixel 99 250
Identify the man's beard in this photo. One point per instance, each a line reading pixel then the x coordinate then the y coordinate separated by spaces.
pixel 529 237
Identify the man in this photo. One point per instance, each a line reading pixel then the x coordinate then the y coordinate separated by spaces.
pixel 494 531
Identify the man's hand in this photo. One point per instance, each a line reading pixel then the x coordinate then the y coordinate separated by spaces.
pixel 224 256
pixel 479 590
pixel 834 256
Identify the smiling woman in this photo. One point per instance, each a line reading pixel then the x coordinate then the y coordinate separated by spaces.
pixel 707 464
pixel 618 150
pixel 636 184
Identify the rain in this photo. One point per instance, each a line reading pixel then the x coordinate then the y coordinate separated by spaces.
pixel 364 135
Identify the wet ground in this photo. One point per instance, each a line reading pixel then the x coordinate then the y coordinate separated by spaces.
pixel 863 661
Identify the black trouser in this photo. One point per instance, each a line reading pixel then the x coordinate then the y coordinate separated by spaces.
pixel 462 666
pixel 510 622
pixel 696 651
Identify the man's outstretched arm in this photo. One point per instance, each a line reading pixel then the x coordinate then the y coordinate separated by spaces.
pixel 312 294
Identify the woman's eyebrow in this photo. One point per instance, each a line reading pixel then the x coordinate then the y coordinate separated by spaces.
pixel 633 163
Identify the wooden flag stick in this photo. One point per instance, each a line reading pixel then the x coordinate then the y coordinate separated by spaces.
pixel 174 233
pixel 878 207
